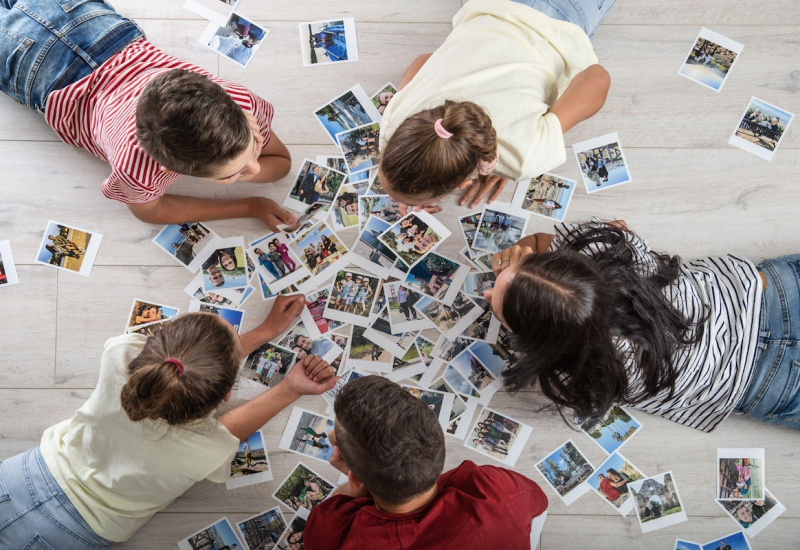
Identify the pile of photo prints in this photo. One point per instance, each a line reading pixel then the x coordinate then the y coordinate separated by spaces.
pixel 367 305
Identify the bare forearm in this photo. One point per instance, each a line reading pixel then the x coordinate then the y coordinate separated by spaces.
pixel 251 341
pixel 584 96
pixel 245 419
pixel 180 209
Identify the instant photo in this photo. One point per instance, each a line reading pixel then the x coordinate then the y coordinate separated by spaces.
pixel 611 480
pixel 185 241
pixel 237 40
pixel 501 226
pixel 459 426
pixel 407 366
pixel 360 147
pixel 453 320
pixel 349 376
pixel 380 206
pixel 440 403
pixel 224 265
pixel 761 129
pixel 233 317
pixel 602 163
pixel 710 59
pixel 485 328
pixel 498 436
pixel 303 489
pixel 307 434
pixel 494 357
pixel 613 429
pixel 225 298
pixel 380 332
pixel 351 297
pixel 299 340
pixel 321 251
pixel 476 284
pixel 370 253
pixel 275 262
pixel 753 515
pixel 400 301
pixel 268 364
pixel 413 236
pixel 366 355
pixel 687 545
pixel 8 269
pixel 312 316
pixel 547 196
pixel 221 532
pixel 477 374
pixel 344 211
pixel 146 312
pixel 350 110
pixel 312 184
pixel 740 474
pixel 261 530
pixel 383 96
pixel 437 277
pixel 216 11
pixel 566 470
pixel 251 463
pixel 657 502
pixel 328 42
pixel 292 538
pixel 68 248
pixel 734 541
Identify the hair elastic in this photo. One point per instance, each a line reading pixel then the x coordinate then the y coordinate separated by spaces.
pixel 486 168
pixel 177 364
pixel 440 131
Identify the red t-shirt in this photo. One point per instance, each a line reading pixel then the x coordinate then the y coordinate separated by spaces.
pixel 610 491
pixel 476 508
pixel 98 113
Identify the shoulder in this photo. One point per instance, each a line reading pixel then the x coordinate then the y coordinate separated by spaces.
pixel 118 353
pixel 330 521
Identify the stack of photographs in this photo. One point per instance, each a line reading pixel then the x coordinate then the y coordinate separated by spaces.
pixel 500 227
pixel 450 320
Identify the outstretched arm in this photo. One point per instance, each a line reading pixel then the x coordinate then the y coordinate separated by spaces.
pixel 413 69
pixel 584 96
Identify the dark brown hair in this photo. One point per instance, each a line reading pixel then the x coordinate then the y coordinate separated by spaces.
pixel 390 440
pixel 417 162
pixel 189 124
pixel 210 355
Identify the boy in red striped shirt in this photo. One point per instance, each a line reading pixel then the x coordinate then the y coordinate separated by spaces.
pixel 152 117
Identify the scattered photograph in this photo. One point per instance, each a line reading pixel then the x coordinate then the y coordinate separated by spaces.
pixel 441 403
pixel 312 315
pixel 761 129
pixel 565 470
pixel 366 355
pixel 268 294
pixel 149 329
pixel 321 251
pixel 237 40
pixel 310 217
pixel 268 364
pixel 224 265
pixel 335 162
pixel 382 98
pixel 360 147
pixel 450 349
pixel 145 313
pixel 494 357
pixel 611 479
pixel 469 225
pixel 344 210
pixel 500 227
pixel 370 253
pixel 753 515
pixel 299 340
pixel 349 376
pixel 474 371
pixel 233 316
pixel 68 248
pixel 275 262
pixel 457 383
pixel 734 541
pixel 312 184
pixel 292 538
pixel 485 328
pixel 453 320
pixel 432 363
pixel 8 269
pixel 407 366
pixel 251 463
pixel 350 110
pixel 263 530
pixel 307 434
pixel 219 534
pixel 687 545
pixel 225 298
pixel 711 59
pixel 437 277
pixel 497 436
pixel 482 259
pixel 740 474
pixel 380 332
pixel 460 424
pixel 375 187
pixel 343 341
pixel 352 296
pixel 400 301
pixel 303 489
pixel 185 241
pixel 657 502
pixel 414 235
pixel 547 196
pixel 613 429
pixel 602 163
pixel 216 11
pixel 328 42
pixel 476 284
pixel 379 206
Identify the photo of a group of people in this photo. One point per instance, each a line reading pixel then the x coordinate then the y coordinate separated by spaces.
pixel 437 277
pixel 611 480
pixel 565 470
pixel 352 297
pixel 602 163
pixel 499 228
pixel 761 128
pixel 383 96
pixel 740 474
pixel 313 183
pixel 268 364
pixel 349 110
pixel 263 531
pixel 307 434
pixel 8 269
pixel 145 313
pixel 275 262
pixel 218 535
pixel 292 538
pixel 303 489
pixel 320 250
pixel 68 248
pixel 326 42
pixel 547 195
pixel 299 340
pixel 657 502
pixel 413 236
pixel 753 515
pixel 237 40
pixel 710 60
pixel 184 242
pixel 360 147
pixel 498 436
pixel 250 465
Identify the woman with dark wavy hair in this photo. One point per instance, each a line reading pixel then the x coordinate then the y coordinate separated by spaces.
pixel 599 319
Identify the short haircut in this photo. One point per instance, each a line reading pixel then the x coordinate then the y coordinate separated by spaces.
pixel 390 440
pixel 190 124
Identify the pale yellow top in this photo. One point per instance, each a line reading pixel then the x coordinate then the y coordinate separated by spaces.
pixel 119 473
pixel 513 61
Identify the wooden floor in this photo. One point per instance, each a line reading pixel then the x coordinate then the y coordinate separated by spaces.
pixel 692 194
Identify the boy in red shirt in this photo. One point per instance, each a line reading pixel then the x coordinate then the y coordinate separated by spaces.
pixel 150 116
pixel 392 449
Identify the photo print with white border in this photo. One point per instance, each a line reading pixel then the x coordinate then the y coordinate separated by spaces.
pixel 740 474
pixel 547 196
pixel 145 312
pixel 657 502
pixel 485 328
pixel 221 530
pixel 224 264
pixel 351 297
pixel 237 40
pixel 565 470
pixel 360 147
pixel 501 226
pixel 383 96
pixel 400 308
pixel 216 11
pixel 453 320
pixel 407 366
pixel 611 479
pixel 268 525
pixel 299 497
pixel 268 364
pixel 345 209
pixel 681 544
pixel 602 163
pixel 441 403
pixel 306 434
pixel 381 206
pixel 347 377
pixel 322 252
pixel 233 317
pixel 437 276
pixel 753 515
pixel 313 314
pixel 494 357
pixel 313 183
pixel 380 332
pixel 68 248
pixel 498 436
pixel 371 254
pixel 452 381
pixel 332 41
pixel 185 242
pixel 761 128
pixel 462 423
pixel 348 110
pixel 8 269
pixel 476 373
pixel 276 263
pixel 735 541
pixel 710 59
pixel 226 298
pixel 414 235
pixel 298 339
pixel 366 355
pixel 255 468
pixel 612 430
pixel 289 538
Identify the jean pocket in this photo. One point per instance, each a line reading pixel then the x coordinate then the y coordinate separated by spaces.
pixel 37 543
pixel 69 5
pixel 788 407
pixel 13 48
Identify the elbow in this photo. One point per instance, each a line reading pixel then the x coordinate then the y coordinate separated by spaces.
pixel 602 82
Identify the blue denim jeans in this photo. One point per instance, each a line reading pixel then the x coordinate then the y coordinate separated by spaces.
pixel 587 14
pixel 35 514
pixel 774 393
pixel 46 45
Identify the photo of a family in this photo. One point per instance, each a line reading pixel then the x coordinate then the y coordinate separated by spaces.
pixel 350 110
pixel 710 60
pixel 250 465
pixel 611 480
pixel 68 248
pixel 237 40
pixel 319 250
pixel 740 474
pixel 145 313
pixel 225 267
pixel 8 269
pixel 325 42
pixel 761 128
pixel 380 206
pixel 345 209
pixel 292 538
pixel 303 489
pixel 184 242
pixel 313 183
pixel 602 163
pixel 437 277
pixel 268 364
pixel 307 434
pixel 498 229
pixel 753 515
pixel 498 436
pixel 613 429
pixel 566 469
pixel 218 535
pixel 547 195
pixel 656 502
pixel 370 253
pixel 413 236
pixel 275 262
pixel 263 531
pixel 382 98
pixel 360 147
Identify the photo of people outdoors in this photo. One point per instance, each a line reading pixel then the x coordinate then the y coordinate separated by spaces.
pixel 748 512
pixel 401 302
pixel 373 250
pixel 613 429
pixel 469 225
pixel 315 304
pixel 476 284
pixel 547 195
pixel 492 356
pixel 432 399
pixel 763 124
pixel 383 97
pixel 219 535
pixel 304 221
pixel 360 146
pixel 493 434
pixel 307 434
pixel 303 488
pixel 325 42
pixel 498 230
pixel 274 257
pixel 364 350
pixel 473 370
pixel 457 382
pixel 410 359
pixel 657 502
pixel 433 276
pixel 350 110
pixel 445 317
pixel 734 541
pixel 225 268
pixel 300 342
pixel 611 479
pixel 344 210
pixel 251 458
pixel 263 531
pixel 144 313
pixel 380 206
pixel 268 364
pixel 314 183
pixel 64 247
pixel 602 163
pixel 741 478
pixel 412 237
pixel 354 293
pixel 481 328
pixel 238 40
pixel 565 469
pixel 183 241
pixel 292 538
pixel 319 249
pixel 710 59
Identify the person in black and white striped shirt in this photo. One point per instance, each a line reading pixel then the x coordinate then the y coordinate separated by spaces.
pixel 600 319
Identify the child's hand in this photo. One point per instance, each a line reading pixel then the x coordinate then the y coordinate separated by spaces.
pixel 285 311
pixel 403 209
pixel 311 376
pixel 476 193
pixel 274 215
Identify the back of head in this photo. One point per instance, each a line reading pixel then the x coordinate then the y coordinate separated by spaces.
pixel 390 440
pixel 189 124
pixel 209 354
pixel 417 162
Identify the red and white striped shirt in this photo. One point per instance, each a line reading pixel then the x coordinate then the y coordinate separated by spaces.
pixel 98 113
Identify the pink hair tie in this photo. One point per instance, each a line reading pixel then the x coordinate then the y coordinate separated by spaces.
pixel 440 131
pixel 177 364
pixel 486 168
